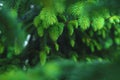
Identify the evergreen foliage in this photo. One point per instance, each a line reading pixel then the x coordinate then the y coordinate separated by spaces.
pixel 88 22
pixel 42 30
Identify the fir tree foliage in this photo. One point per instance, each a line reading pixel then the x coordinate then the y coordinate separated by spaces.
pixel 44 33
pixel 67 25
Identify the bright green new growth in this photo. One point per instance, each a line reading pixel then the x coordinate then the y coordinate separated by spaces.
pixel 65 26
pixel 59 39
pixel 98 23
pixel 84 22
